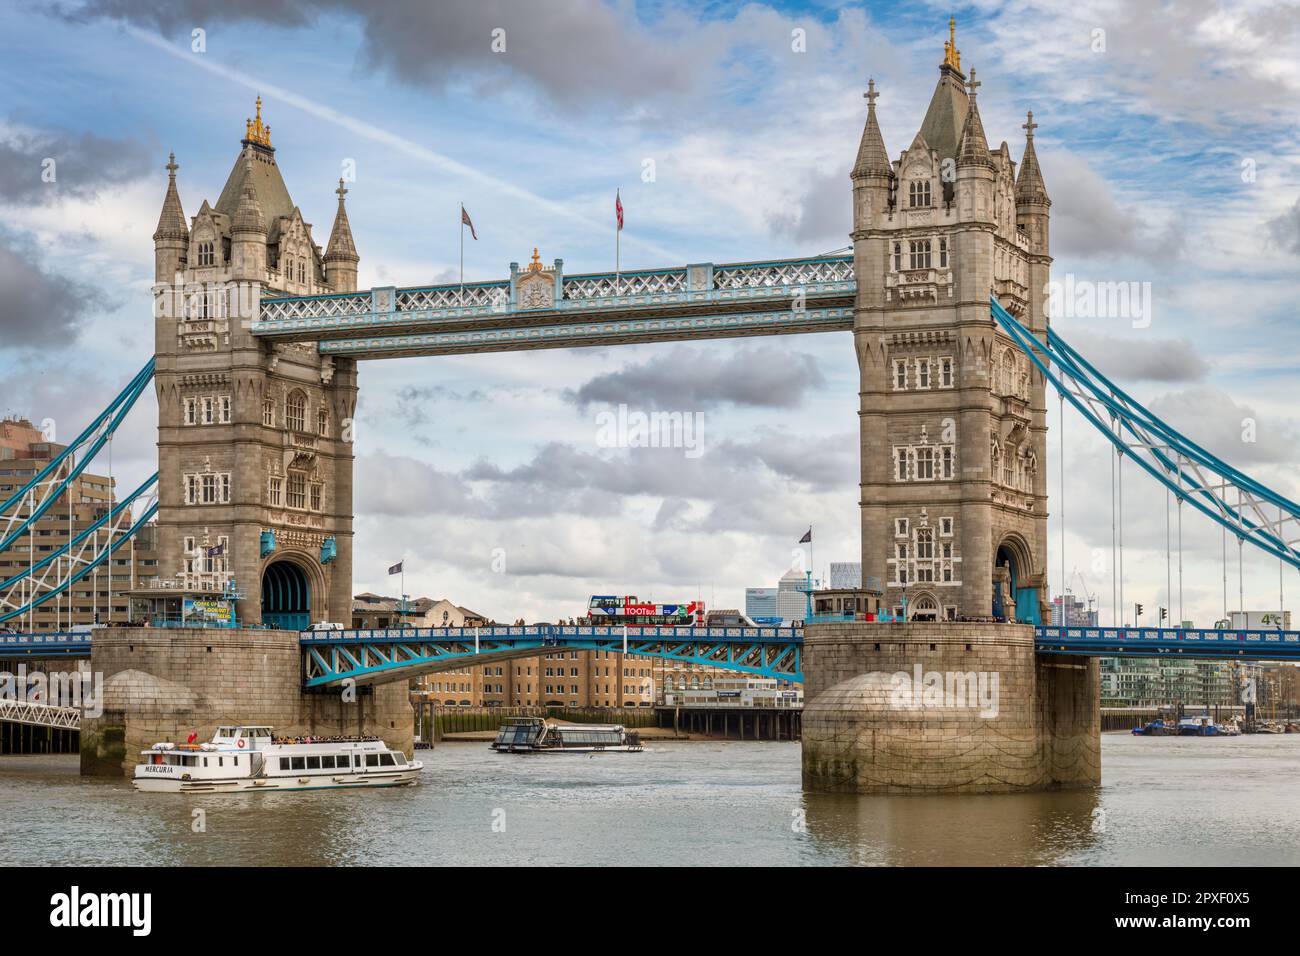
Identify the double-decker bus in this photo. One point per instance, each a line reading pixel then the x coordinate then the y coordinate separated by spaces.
pixel 627 609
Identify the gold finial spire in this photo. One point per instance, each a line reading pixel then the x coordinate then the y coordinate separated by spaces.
pixel 536 264
pixel 255 131
pixel 951 55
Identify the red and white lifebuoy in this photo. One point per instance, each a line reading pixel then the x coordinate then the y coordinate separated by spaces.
pixel 240 743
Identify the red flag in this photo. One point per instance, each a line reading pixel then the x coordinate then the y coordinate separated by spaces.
pixel 466 221
pixel 193 737
pixel 618 209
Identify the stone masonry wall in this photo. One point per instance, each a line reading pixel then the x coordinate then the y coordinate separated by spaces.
pixel 860 736
pixel 164 684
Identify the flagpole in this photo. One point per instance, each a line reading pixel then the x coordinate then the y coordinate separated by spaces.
pixel 462 255
pixel 618 235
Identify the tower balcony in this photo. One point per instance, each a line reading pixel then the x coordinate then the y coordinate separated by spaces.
pixel 1013 295
pixel 918 286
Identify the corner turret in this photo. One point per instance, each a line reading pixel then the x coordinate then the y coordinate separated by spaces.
pixel 341 253
pixel 171 240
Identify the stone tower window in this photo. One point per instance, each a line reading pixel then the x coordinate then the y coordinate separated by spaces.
pixel 295 412
pixel 919 254
pixel 945 372
pixel 206 255
pixel 268 412
pixel 297 494
pixel 919 193
pixel 898 256
pixel 900 374
pixel 273 491
pixel 923 373
pixel 943 253
pixel 322 422
pixel 1008 373
pixel 924 464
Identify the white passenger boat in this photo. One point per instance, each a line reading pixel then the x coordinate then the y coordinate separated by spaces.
pixel 252 758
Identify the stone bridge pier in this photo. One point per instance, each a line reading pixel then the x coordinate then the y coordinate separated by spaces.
pixel 945 707
pixel 165 684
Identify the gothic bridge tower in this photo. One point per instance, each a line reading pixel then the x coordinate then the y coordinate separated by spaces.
pixel 255 467
pixel 953 415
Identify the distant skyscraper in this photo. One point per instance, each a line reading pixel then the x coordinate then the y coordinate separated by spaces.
pixel 760 602
pixel 846 575
pixel 1077 614
pixel 791 602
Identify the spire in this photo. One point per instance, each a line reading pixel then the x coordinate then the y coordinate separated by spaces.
pixel 171 223
pixel 946 115
pixel 974 148
pixel 341 245
pixel 872 158
pixel 248 215
pixel 951 55
pixel 255 131
pixel 1029 183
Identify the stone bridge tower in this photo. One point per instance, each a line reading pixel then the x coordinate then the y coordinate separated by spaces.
pixel 953 415
pixel 254 453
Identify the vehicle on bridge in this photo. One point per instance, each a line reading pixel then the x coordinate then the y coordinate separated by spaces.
pixel 614 609
pixel 252 758
pixel 527 735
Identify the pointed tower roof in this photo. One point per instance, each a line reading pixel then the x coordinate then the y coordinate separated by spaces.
pixel 974 148
pixel 256 163
pixel 248 214
pixel 946 114
pixel 1029 183
pixel 872 158
pixel 171 222
pixel 341 245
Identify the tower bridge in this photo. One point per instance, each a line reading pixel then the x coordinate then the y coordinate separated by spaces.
pixel 944 295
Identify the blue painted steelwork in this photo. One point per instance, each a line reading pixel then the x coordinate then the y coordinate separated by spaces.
pixel 103 555
pixel 44 645
pixel 696 287
pixel 108 516
pixel 87 444
pixel 1155 642
pixel 593 331
pixel 1210 485
pixel 374 656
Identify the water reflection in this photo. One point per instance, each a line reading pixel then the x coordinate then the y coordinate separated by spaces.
pixel 1015 829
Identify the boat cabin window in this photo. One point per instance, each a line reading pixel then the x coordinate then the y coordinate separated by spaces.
pixel 385 760
pixel 400 758
pixel 298 763
pixel 372 760
pixel 313 763
pixel 284 763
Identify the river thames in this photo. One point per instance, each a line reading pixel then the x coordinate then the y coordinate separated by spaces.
pixel 1163 802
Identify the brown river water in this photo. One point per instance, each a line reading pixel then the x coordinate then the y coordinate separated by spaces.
pixel 1162 802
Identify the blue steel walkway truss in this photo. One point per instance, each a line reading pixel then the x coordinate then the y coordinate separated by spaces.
pixel 374 656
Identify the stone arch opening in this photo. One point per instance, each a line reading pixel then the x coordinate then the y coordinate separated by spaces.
pixel 1012 599
pixel 924 608
pixel 286 596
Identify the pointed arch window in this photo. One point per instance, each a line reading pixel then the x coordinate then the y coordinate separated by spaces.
pixel 206 255
pixel 295 411
pixel 919 193
pixel 919 253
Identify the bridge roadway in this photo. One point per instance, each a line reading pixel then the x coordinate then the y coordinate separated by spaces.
pixel 377 656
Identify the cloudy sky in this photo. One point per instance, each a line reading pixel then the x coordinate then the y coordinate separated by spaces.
pixel 1168 138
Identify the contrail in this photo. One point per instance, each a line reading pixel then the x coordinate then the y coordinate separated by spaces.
pixel 388 138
